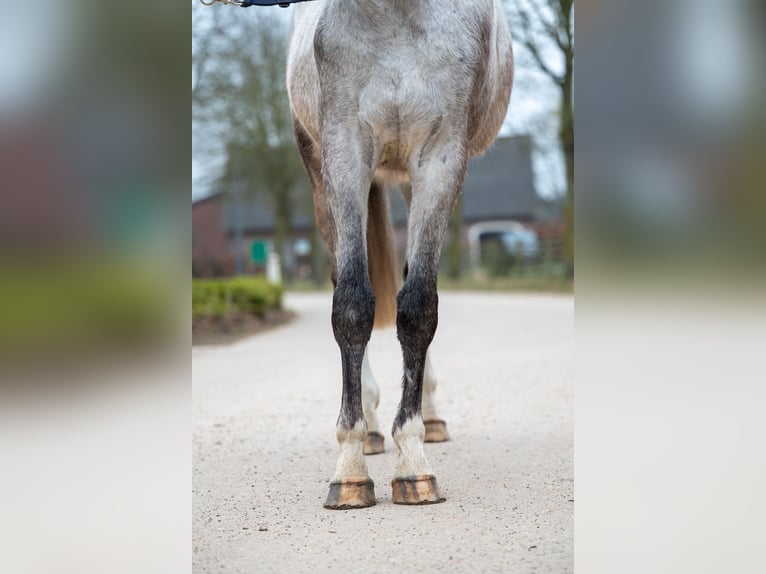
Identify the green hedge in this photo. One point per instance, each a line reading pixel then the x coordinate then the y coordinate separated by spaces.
pixel 223 297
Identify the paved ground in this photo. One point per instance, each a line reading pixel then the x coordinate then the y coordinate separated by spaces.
pixel 264 446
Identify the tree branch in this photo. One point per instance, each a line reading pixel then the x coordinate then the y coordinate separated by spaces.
pixel 529 43
pixel 550 29
pixel 565 21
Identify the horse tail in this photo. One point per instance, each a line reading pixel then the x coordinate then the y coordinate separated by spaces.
pixel 381 257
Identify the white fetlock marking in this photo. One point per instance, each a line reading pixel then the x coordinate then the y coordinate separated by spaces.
pixel 351 464
pixel 411 460
pixel 370 396
pixel 429 389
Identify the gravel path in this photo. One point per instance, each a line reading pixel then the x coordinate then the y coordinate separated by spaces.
pixel 264 446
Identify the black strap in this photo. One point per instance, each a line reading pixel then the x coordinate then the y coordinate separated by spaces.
pixel 280 3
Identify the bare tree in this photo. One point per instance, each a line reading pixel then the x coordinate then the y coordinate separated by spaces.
pixel 206 31
pixel 242 109
pixel 544 29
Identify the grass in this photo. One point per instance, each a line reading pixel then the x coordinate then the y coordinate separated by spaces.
pixel 538 278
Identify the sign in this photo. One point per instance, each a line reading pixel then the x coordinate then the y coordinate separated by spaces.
pixel 259 251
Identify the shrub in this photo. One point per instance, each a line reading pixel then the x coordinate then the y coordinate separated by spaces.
pixel 242 295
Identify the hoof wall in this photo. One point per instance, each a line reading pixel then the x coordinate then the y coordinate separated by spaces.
pixel 348 495
pixel 374 443
pixel 417 490
pixel 436 431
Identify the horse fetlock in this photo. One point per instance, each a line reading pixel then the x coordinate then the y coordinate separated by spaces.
pixel 351 465
pixel 371 417
pixel 369 407
pixel 436 430
pixel 370 397
pixel 353 433
pixel 414 482
pixel 375 443
pixel 411 458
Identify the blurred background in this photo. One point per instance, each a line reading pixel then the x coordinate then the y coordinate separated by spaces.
pixel 670 313
pixel 670 145
pixel 251 200
pixel 94 228
pixel 92 234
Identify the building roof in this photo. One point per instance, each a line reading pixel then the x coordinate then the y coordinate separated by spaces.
pixel 498 185
pixel 257 211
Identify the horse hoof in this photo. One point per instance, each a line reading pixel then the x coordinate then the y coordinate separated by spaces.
pixel 420 489
pixel 352 494
pixel 374 443
pixel 436 431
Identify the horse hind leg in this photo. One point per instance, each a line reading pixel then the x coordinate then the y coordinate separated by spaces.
pixel 375 443
pixel 436 427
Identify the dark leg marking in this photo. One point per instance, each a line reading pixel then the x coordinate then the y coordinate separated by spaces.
pixel 416 321
pixel 353 313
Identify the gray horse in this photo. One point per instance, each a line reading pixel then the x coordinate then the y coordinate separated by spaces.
pixel 391 92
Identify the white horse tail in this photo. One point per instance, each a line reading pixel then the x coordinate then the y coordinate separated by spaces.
pixel 381 257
